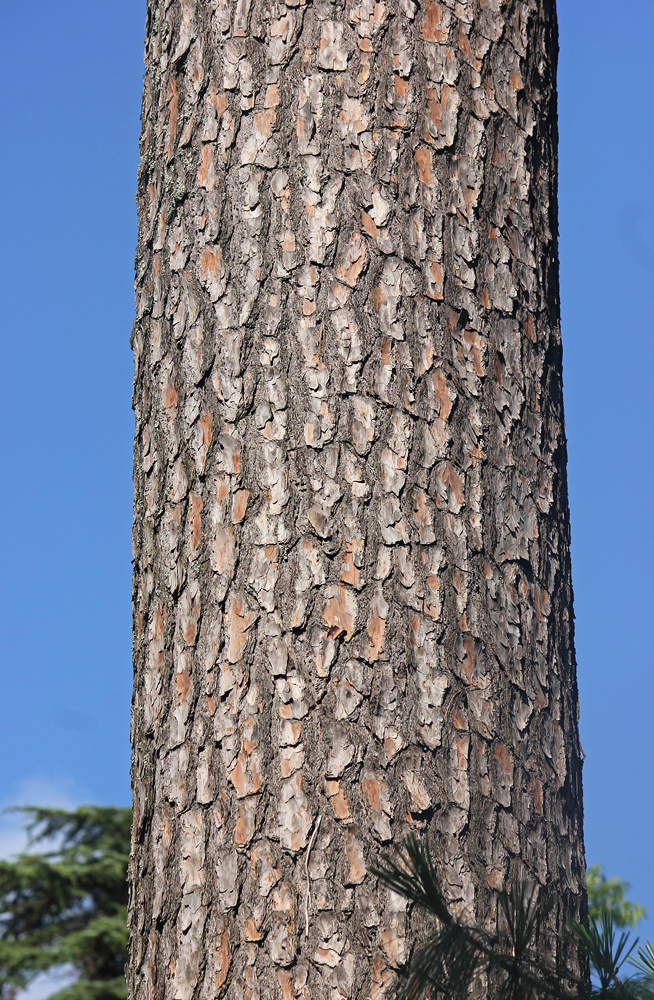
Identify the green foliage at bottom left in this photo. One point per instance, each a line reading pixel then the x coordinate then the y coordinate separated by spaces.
pixel 68 904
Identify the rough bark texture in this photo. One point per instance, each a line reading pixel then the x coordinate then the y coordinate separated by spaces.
pixel 352 597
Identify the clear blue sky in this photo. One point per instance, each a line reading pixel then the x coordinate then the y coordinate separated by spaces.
pixel 70 78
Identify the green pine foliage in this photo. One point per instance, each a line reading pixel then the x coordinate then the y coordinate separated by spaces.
pixel 609 896
pixel 67 904
pixel 644 961
pixel 513 962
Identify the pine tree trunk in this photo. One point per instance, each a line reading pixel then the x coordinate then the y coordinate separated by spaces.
pixel 352 596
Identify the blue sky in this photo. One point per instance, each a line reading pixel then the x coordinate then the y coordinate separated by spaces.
pixel 70 76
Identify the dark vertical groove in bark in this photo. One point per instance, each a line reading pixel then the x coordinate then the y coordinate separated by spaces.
pixel 352 594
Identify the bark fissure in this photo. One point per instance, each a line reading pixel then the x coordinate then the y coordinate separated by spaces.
pixel 352 597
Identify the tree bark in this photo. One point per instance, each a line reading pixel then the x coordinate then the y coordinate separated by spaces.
pixel 352 594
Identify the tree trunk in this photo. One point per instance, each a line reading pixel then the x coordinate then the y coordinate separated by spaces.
pixel 352 596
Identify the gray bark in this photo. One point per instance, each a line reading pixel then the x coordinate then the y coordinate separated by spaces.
pixel 352 596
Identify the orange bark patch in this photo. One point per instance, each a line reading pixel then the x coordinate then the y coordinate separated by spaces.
pixel 231 454
pixel 431 26
pixel 190 615
pixel 496 880
pixel 448 475
pixel 355 261
pixel 264 121
pixel 441 393
pixel 469 660
pixel 476 343
pixel 392 746
pixel 223 550
pixel 206 172
pixel 538 795
pixel 436 271
pixel 340 613
pixel 372 789
pixel 415 628
pixel 246 774
pixel 169 399
pixel 272 96
pixel 291 760
pixel 309 438
pixel 190 631
pixel 376 629
pixel 195 519
pixel 542 603
pixel 437 106
pixel 435 291
pixel 529 328
pixel 239 505
pixel 222 959
pixel 211 261
pixel 158 621
pixel 287 768
pixel 245 822
pixel 368 225
pixel 341 806
pixel 238 620
pixel 183 683
pixel 381 978
pixel 327 956
pixel 212 273
pixel 503 758
pixel 464 45
pixel 400 86
pixel 424 159
pixel 353 114
pixel 458 579
pixel 251 930
pixel 421 513
pixel 340 293
pixel 461 744
pixel 219 101
pixel 279 28
pixel 205 424
pixel 459 719
pixel 292 733
pixel 285 984
pixel 354 852
pixel 378 296
pixel 350 573
pixel 173 97
pixel 392 941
